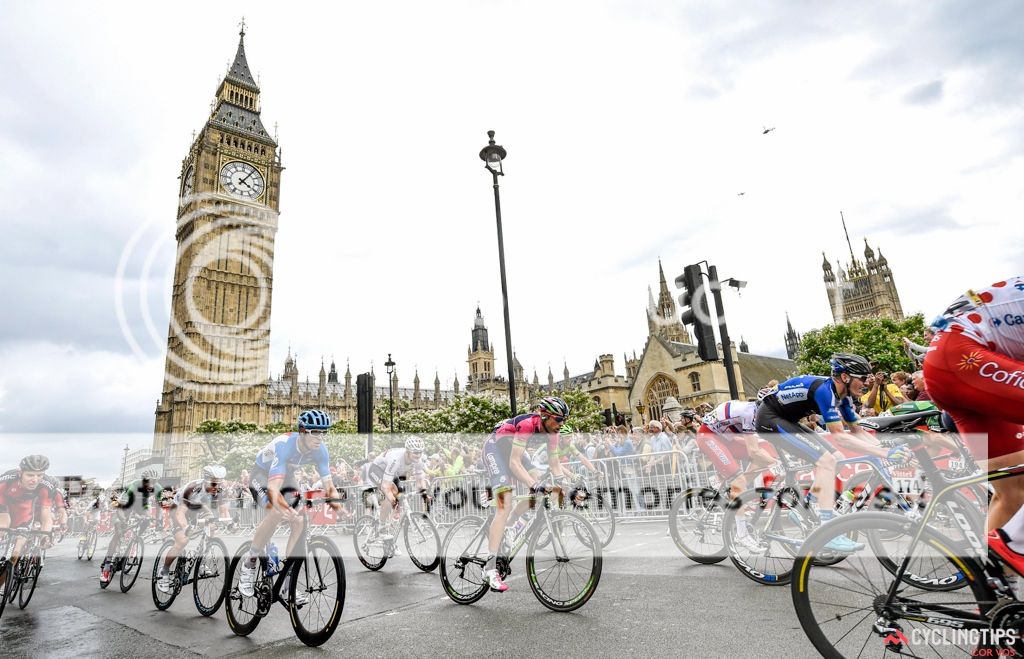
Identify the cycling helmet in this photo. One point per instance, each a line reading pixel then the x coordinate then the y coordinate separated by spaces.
pixel 35 463
pixel 554 406
pixel 314 420
pixel 414 444
pixel 150 475
pixel 855 365
pixel 214 473
pixel 764 392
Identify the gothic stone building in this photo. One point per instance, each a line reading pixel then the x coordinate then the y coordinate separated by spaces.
pixel 864 289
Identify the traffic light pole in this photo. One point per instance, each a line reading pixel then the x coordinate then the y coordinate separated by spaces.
pixel 730 373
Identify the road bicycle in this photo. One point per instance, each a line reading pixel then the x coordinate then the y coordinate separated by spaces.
pixel 205 567
pixel 593 507
pixel 865 608
pixel 375 541
pixel 87 543
pixel 563 556
pixel 19 579
pixel 780 518
pixel 130 550
pixel 314 569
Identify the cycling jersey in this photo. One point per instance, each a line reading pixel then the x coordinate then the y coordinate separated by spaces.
pixel 393 464
pixel 281 456
pixel 993 317
pixel 732 416
pixel 193 495
pixel 507 434
pixel 810 394
pixel 132 498
pixel 58 493
pixel 19 502
pixel 778 414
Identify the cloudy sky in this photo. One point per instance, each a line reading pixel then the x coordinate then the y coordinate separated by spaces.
pixel 631 128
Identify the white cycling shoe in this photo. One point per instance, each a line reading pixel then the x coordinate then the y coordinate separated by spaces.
pixel 164 584
pixel 495 582
pixel 247 578
pixel 752 546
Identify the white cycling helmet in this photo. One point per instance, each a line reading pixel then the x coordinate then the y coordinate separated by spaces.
pixel 214 472
pixel 414 444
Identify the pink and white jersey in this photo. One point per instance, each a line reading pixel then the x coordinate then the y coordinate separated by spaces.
pixel 732 416
pixel 993 316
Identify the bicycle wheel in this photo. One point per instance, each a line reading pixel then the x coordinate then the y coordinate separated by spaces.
pixel 242 612
pixel 163 600
pixel 762 530
pixel 463 555
pixel 596 511
pixel 14 578
pixel 81 547
pixel 209 578
pixel 131 564
pixel 92 540
pixel 695 523
pixel 935 574
pixel 369 547
pixel 30 576
pixel 61 534
pixel 844 611
pixel 320 575
pixel 564 574
pixel 422 542
pixel 6 582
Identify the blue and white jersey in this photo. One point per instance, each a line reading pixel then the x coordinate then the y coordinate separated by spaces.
pixel 811 394
pixel 281 456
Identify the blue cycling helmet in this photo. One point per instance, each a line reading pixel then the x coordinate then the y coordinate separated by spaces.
pixel 314 420
pixel 855 365
pixel 554 406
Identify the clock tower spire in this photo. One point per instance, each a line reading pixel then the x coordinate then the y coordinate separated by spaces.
pixel 219 337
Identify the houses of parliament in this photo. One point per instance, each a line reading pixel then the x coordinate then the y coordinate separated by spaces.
pixel 217 364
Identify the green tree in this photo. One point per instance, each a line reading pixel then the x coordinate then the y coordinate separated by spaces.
pixel 585 415
pixel 880 340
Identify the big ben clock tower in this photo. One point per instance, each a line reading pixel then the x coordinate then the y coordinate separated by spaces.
pixel 219 336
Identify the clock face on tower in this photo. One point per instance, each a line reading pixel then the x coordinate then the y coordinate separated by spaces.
pixel 242 180
pixel 188 182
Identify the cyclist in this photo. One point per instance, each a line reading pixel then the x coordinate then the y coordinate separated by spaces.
pixel 20 489
pixel 396 463
pixel 272 479
pixel 136 498
pixel 91 514
pixel 832 397
pixel 503 454
pixel 727 438
pixel 195 497
pixel 974 370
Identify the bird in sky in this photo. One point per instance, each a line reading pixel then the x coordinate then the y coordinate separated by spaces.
pixel 741 194
pixel 767 130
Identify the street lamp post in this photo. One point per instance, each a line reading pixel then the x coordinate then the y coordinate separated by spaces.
pixel 390 365
pixel 492 155
pixel 124 464
pixel 723 329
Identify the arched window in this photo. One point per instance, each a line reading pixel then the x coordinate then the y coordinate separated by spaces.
pixel 695 381
pixel 658 389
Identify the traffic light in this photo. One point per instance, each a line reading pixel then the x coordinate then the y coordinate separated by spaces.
pixel 694 303
pixel 364 403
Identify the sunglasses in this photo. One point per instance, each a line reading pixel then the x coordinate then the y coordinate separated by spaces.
pixel 315 432
pixel 557 419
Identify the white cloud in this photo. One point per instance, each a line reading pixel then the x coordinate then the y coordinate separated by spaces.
pixel 387 214
pixel 61 388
